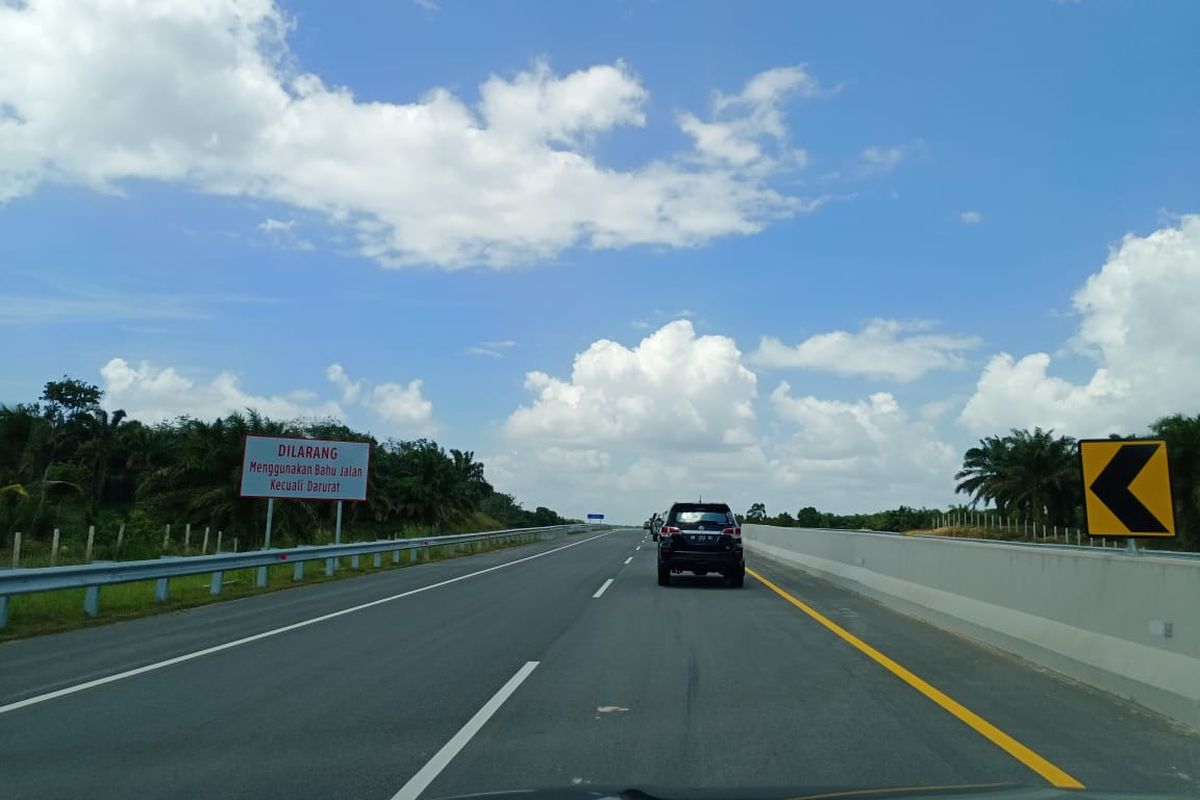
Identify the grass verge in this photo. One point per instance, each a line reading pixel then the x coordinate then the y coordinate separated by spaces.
pixel 52 612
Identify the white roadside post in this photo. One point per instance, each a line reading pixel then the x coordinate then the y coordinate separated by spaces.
pixel 261 579
pixel 16 560
pixel 54 548
pixel 166 538
pixel 204 544
pixel 187 538
pixel 87 553
pixel 120 537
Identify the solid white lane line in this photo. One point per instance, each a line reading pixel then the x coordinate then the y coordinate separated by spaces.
pixel 603 588
pixel 629 559
pixel 79 687
pixel 442 758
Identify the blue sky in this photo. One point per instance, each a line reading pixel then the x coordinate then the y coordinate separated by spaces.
pixel 956 170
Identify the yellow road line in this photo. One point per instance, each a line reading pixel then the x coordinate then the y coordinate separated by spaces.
pixel 1008 744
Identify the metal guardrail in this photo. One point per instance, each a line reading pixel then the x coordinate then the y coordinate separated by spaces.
pixel 91 577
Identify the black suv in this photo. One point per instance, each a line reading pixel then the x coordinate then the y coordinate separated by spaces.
pixel 701 538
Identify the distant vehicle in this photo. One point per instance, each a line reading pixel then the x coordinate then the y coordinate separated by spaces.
pixel 701 538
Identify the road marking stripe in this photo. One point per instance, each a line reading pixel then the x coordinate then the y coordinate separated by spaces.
pixel 1055 776
pixel 442 758
pixel 629 559
pixel 79 687
pixel 603 588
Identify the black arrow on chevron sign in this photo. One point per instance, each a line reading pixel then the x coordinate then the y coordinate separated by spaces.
pixel 1111 487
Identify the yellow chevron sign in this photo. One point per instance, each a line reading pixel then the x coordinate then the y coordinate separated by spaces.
pixel 1127 487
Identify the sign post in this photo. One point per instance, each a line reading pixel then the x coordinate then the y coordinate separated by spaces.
pixel 303 469
pixel 1127 489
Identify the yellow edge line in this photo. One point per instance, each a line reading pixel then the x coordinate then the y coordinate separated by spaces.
pixel 1055 776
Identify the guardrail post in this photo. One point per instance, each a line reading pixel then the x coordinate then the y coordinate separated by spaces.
pixel 3 611
pixel 354 561
pixel 260 577
pixel 16 561
pixel 378 560
pixel 91 601
pixel 428 555
pixel 395 556
pixel 54 548
pixel 298 571
pixel 87 553
pixel 161 590
pixel 214 584
pixel 330 566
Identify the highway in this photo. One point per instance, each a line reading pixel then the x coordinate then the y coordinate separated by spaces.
pixel 551 665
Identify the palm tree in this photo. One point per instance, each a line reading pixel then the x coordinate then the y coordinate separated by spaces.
pixel 1035 474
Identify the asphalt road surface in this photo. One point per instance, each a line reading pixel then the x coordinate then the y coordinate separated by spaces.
pixel 557 664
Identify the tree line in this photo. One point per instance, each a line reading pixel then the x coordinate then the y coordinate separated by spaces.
pixel 896 519
pixel 1037 476
pixel 66 462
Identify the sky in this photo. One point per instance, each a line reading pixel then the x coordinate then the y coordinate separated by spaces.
pixel 626 251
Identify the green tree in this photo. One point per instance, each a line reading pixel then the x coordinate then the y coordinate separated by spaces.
pixel 756 513
pixel 1182 435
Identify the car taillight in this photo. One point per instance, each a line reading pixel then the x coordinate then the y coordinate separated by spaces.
pixel 732 532
pixel 670 529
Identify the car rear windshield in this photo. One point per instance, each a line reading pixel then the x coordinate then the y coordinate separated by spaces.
pixel 693 518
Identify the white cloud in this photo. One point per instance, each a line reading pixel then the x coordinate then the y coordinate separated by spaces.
pixel 865 454
pixel 270 225
pixel 1137 322
pixel 674 417
pixel 403 406
pixel 427 5
pixel 283 234
pixel 150 394
pixel 206 94
pixel 885 158
pixel 971 217
pixel 743 121
pixel 674 390
pixel 491 349
pixel 884 348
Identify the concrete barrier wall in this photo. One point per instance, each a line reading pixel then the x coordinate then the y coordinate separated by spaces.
pixel 1127 624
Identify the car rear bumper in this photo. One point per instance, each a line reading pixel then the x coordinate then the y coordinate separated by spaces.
pixel 687 561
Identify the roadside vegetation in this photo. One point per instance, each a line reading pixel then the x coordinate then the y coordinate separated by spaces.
pixel 1026 486
pixel 67 463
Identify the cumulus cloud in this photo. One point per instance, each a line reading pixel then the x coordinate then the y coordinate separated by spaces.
pixel 862 453
pixel 208 95
pixel 1138 325
pixel 884 348
pixel 970 217
pixel 674 417
pixel 401 405
pixel 674 389
pixel 150 394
